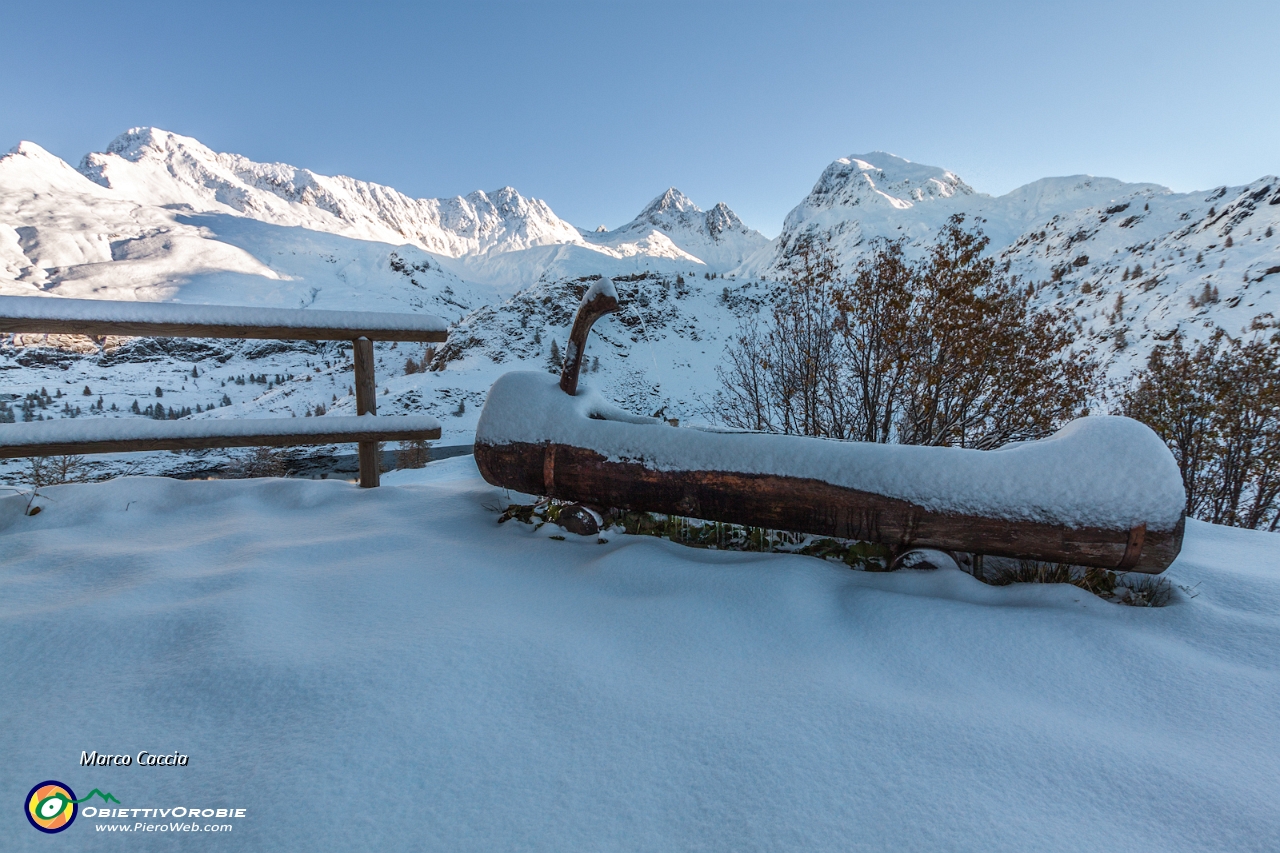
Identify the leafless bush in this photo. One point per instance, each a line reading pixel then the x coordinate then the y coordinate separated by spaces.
pixel 262 462
pixel 946 351
pixel 54 470
pixel 413 454
pixel 1218 409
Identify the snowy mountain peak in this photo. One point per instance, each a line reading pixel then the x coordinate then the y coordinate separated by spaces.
pixel 670 202
pixel 864 196
pixel 721 219
pixel 716 237
pixel 883 178
pixel 139 142
pixel 165 169
pixel 29 167
pixel 30 149
pixel 867 196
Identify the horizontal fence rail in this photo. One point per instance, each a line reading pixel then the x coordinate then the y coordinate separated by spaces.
pixel 121 435
pixel 99 318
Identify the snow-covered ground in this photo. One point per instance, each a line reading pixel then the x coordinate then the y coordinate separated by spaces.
pixel 390 669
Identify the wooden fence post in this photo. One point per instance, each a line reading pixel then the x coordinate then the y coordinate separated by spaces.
pixel 366 403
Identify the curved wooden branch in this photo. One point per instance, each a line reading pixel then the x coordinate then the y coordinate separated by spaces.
pixel 599 300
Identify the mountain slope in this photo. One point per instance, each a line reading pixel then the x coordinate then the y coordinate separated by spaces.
pixel 161 168
pixel 860 198
pixel 161 217
pixel 717 237
pixel 1146 265
pixel 1134 262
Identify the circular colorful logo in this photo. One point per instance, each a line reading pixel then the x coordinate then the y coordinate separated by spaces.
pixel 51 806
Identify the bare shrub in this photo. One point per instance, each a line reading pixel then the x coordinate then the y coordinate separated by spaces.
pixel 946 351
pixel 55 470
pixel 785 377
pixel 413 454
pixel 1218 409
pixel 262 462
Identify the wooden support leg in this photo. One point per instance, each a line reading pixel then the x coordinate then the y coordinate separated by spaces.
pixel 366 403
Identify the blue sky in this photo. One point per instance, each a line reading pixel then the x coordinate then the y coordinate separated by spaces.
pixel 598 107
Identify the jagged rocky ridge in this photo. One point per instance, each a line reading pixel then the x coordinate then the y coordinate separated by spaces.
pixel 159 216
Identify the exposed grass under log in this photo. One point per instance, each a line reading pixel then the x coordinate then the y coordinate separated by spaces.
pixel 1120 587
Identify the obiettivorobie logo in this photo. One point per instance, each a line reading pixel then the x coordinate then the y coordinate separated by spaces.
pixel 52 806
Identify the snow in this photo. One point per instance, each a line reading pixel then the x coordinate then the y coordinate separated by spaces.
pixel 389 669
pixel 716 237
pixel 163 168
pixel 36 308
pixel 600 287
pixel 1076 237
pixel 879 195
pixel 1104 471
pixel 17 435
pixel 159 217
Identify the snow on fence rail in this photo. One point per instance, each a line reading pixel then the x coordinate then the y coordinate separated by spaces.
pixel 1102 491
pixel 114 435
pixel 98 317
pixel 51 315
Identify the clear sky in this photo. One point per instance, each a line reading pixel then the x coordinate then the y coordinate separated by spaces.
pixel 597 107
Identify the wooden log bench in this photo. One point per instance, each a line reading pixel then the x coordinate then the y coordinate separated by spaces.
pixel 1102 492
pixel 98 318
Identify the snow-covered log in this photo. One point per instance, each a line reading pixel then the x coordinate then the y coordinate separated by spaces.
pixel 1102 491
pixel 124 435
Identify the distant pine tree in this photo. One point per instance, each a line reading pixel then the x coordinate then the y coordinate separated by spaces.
pixel 555 361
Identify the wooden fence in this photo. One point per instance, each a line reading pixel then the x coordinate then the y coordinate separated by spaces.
pixel 98 318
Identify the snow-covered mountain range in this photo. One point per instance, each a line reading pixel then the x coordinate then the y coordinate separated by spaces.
pixel 158 216
pixel 1134 262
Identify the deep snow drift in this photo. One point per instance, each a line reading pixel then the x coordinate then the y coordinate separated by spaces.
pixel 389 669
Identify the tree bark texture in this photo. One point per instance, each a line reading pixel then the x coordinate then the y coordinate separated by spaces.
pixel 805 505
